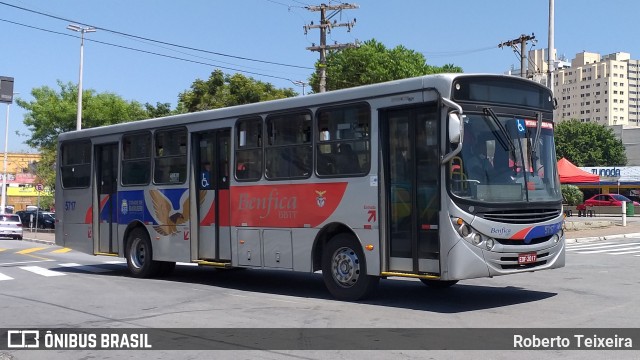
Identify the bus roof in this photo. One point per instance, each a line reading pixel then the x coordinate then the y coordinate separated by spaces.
pixel 439 82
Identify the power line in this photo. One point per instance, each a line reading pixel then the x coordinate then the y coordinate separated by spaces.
pixel 150 52
pixel 153 40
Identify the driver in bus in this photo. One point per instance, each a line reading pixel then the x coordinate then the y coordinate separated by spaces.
pixel 476 163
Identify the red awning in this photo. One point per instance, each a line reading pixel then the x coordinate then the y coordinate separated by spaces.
pixel 571 174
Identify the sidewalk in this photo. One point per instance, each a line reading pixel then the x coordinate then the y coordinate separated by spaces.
pixel 47 237
pixel 577 229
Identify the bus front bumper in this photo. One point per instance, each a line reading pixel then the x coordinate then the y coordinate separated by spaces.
pixel 467 261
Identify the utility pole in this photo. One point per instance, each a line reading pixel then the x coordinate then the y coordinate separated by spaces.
pixel 325 27
pixel 552 57
pixel 522 40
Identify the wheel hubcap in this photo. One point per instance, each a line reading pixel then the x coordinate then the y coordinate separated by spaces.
pixel 138 253
pixel 345 267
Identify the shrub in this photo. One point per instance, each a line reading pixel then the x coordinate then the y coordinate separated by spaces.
pixel 572 195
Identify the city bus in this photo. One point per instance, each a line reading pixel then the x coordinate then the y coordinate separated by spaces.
pixel 441 178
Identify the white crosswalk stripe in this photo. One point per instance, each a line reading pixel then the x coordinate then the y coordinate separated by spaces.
pixel 87 268
pixel 610 248
pixel 5 277
pixel 42 271
pixel 59 270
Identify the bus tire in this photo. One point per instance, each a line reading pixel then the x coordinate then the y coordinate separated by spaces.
pixel 140 255
pixel 344 269
pixel 439 284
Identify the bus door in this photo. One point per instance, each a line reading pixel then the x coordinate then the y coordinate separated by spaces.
pixel 212 182
pixel 106 156
pixel 411 188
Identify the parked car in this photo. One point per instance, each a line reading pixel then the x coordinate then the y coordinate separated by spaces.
pixel 10 226
pixel 608 200
pixel 46 220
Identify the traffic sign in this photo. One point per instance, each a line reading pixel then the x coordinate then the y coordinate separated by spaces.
pixel 39 187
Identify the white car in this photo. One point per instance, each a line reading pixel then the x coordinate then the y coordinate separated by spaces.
pixel 10 226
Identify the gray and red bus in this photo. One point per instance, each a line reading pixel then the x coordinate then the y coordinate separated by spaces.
pixel 442 178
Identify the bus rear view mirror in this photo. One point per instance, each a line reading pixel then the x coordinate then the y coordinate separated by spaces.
pixel 455 128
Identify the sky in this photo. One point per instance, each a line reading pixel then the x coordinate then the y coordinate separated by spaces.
pixel 251 36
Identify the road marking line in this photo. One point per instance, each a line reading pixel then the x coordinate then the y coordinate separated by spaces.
pixel 61 251
pixel 115 262
pixel 579 245
pixel 41 271
pixel 625 252
pixel 605 250
pixel 5 277
pixel 186 264
pixel 25 262
pixel 89 268
pixel 30 250
pixel 611 247
pixel 3 249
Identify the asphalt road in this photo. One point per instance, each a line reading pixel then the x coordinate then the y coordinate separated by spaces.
pixel 46 286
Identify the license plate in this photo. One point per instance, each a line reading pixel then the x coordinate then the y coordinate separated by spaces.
pixel 527 258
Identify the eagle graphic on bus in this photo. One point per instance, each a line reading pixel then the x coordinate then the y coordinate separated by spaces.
pixel 320 200
pixel 166 216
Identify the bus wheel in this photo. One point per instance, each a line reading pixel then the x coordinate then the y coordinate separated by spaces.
pixel 140 255
pixel 439 284
pixel 344 269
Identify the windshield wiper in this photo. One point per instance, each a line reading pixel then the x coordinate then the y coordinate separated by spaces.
pixel 506 141
pixel 536 145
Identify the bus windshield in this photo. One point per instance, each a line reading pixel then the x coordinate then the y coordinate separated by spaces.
pixel 501 163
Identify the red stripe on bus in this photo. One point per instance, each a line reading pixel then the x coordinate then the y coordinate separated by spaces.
pixel 522 234
pixel 88 217
pixel 286 205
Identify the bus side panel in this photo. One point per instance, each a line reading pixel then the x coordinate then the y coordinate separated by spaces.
pixel 162 213
pixel 77 215
pixel 370 237
pixel 359 211
pixel 302 247
pixel 169 246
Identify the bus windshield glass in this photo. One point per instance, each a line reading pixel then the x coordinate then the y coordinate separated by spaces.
pixel 500 161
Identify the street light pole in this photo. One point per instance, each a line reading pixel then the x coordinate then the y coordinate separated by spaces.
pixel 81 30
pixel 3 202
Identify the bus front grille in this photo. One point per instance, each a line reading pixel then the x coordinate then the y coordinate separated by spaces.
pixel 523 216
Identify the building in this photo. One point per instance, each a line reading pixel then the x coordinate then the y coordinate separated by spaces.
pixel 21 180
pixel 595 89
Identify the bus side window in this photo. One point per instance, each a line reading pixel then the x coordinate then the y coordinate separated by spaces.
pixel 248 166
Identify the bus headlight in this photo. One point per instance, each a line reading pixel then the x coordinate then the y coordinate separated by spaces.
pixel 489 243
pixel 464 230
pixel 555 238
pixel 476 239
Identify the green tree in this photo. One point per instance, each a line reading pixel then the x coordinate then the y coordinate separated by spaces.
pixel 222 90
pixel 158 110
pixel 572 194
pixel 372 63
pixel 54 112
pixel 588 144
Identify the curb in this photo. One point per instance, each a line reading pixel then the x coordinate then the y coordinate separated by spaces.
pixel 40 241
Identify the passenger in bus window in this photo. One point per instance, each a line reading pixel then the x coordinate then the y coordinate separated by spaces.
pixel 347 160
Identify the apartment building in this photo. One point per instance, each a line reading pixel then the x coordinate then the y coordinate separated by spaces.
pixel 596 88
